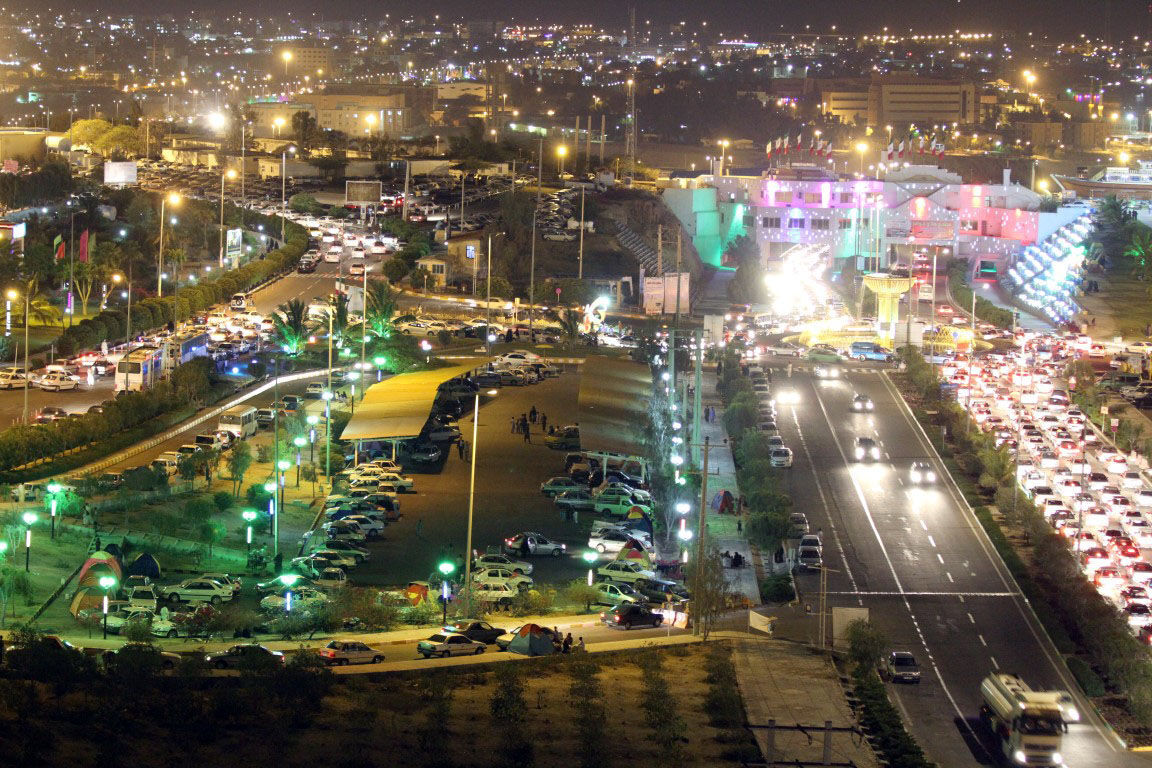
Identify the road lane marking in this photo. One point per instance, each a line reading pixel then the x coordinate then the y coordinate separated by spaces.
pixel 995 663
pixel 971 618
pixel 940 557
pixel 892 568
pixel 949 575
pixel 931 540
pixel 1103 729
pixel 983 642
pixel 824 503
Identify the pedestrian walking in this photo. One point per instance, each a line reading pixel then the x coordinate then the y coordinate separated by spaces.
pixel 543 422
pixel 532 414
pixel 579 646
pixel 513 431
pixel 460 448
pixel 527 434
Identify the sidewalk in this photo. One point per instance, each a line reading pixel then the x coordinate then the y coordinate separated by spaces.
pixel 788 683
pixel 725 531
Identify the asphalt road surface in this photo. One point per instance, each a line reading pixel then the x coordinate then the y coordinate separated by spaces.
pixel 917 559
pixel 508 499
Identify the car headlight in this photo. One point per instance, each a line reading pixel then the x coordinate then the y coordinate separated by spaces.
pixel 859 453
pixel 871 405
pixel 915 476
pixel 1019 756
pixel 930 477
pixel 875 453
pixel 1057 758
pixel 1072 714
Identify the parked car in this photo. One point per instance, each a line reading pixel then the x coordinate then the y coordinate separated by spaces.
pixel 199 590
pixel 502 561
pixel 559 484
pixel 344 652
pixel 901 667
pixel 249 655
pixel 628 615
pixel 444 644
pixel 476 630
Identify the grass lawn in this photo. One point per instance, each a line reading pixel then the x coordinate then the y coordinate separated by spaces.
pixel 1123 307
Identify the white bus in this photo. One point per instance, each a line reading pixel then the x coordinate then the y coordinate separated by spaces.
pixel 140 369
pixel 240 420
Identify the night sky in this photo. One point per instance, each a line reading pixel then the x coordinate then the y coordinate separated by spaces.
pixel 1062 17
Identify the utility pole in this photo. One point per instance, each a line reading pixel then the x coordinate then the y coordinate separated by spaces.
pixel 660 269
pixel 701 522
pixel 679 241
pixel 698 383
pixel 532 266
pixel 407 179
pixel 603 136
pixel 580 248
pixel 588 144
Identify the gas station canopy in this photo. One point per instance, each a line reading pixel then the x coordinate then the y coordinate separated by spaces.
pixel 397 408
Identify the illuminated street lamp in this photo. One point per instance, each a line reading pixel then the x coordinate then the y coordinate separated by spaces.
pixel 590 557
pixel 446 568
pixel 299 442
pixel 174 199
pixel 249 515
pixel 287 57
pixel 54 500
pixel 278 123
pixel 106 584
pixel 862 149
pixel 12 295
pixel 270 489
pixel 561 153
pixel 29 518
pixel 288 580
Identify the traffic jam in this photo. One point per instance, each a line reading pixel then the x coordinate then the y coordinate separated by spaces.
pixel 1093 494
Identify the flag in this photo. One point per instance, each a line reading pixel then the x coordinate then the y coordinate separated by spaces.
pixel 827 149
pixel 811 147
pixel 83 255
pixel 58 245
pixel 889 150
pixel 940 149
pixel 799 142
pixel 921 145
pixel 781 146
pixel 787 144
pixel 900 152
pixel 768 149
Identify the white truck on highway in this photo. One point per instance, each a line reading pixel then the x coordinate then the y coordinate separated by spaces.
pixel 1027 724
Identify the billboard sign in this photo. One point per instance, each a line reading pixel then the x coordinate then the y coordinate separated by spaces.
pixel 362 192
pixel 925 229
pixel 233 244
pixel 120 174
pixel 660 293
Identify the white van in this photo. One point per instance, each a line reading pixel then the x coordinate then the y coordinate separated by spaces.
pixel 240 302
pixel 240 420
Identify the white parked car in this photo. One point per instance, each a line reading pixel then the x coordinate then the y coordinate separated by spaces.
pixel 302 599
pixel 487 577
pixel 612 540
pixel 502 561
pixel 446 644
pixel 199 590
pixel 625 571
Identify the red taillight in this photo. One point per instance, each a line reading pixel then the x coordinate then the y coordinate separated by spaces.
pixel 617 617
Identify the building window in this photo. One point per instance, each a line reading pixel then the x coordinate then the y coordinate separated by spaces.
pixel 864 223
pixel 845 198
pixel 769 222
pixel 845 223
pixel 813 198
pixel 783 197
pixel 749 221
pixel 795 223
pixel 820 224
pixel 969 225
pixel 437 269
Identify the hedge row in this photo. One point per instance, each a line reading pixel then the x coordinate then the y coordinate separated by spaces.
pixel 962 293
pixel 23 444
pixel 111 324
pixel 896 746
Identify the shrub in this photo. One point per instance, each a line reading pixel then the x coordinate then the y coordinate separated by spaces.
pixel 1086 677
pixel 198 510
pixel 532 602
pixel 778 589
pixel 223 500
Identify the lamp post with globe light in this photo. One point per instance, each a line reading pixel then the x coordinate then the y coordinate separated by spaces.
pixel 273 523
pixel 228 174
pixel 590 557
pixel 12 295
pixel 53 502
pixel 106 584
pixel 299 441
pixel 288 580
pixel 446 568
pixel 29 518
pixel 249 515
pixel 174 199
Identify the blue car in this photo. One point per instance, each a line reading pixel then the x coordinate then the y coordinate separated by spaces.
pixel 866 350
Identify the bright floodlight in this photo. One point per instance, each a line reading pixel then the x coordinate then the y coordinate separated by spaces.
pixel 682 507
pixel 217 120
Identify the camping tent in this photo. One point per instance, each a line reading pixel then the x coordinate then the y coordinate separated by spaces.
pixel 638 520
pixel 86 598
pixel 144 565
pixel 634 551
pixel 532 640
pixel 99 564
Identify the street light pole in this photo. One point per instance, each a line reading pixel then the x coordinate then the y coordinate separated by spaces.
pixel 160 251
pixel 471 505
pixel 532 266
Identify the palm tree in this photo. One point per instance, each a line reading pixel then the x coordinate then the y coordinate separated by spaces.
pixel 1140 252
pixel 571 321
pixel 290 326
pixel 41 310
pixel 380 307
pixel 338 306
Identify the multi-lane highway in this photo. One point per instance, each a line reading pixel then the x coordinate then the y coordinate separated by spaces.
pixel 918 560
